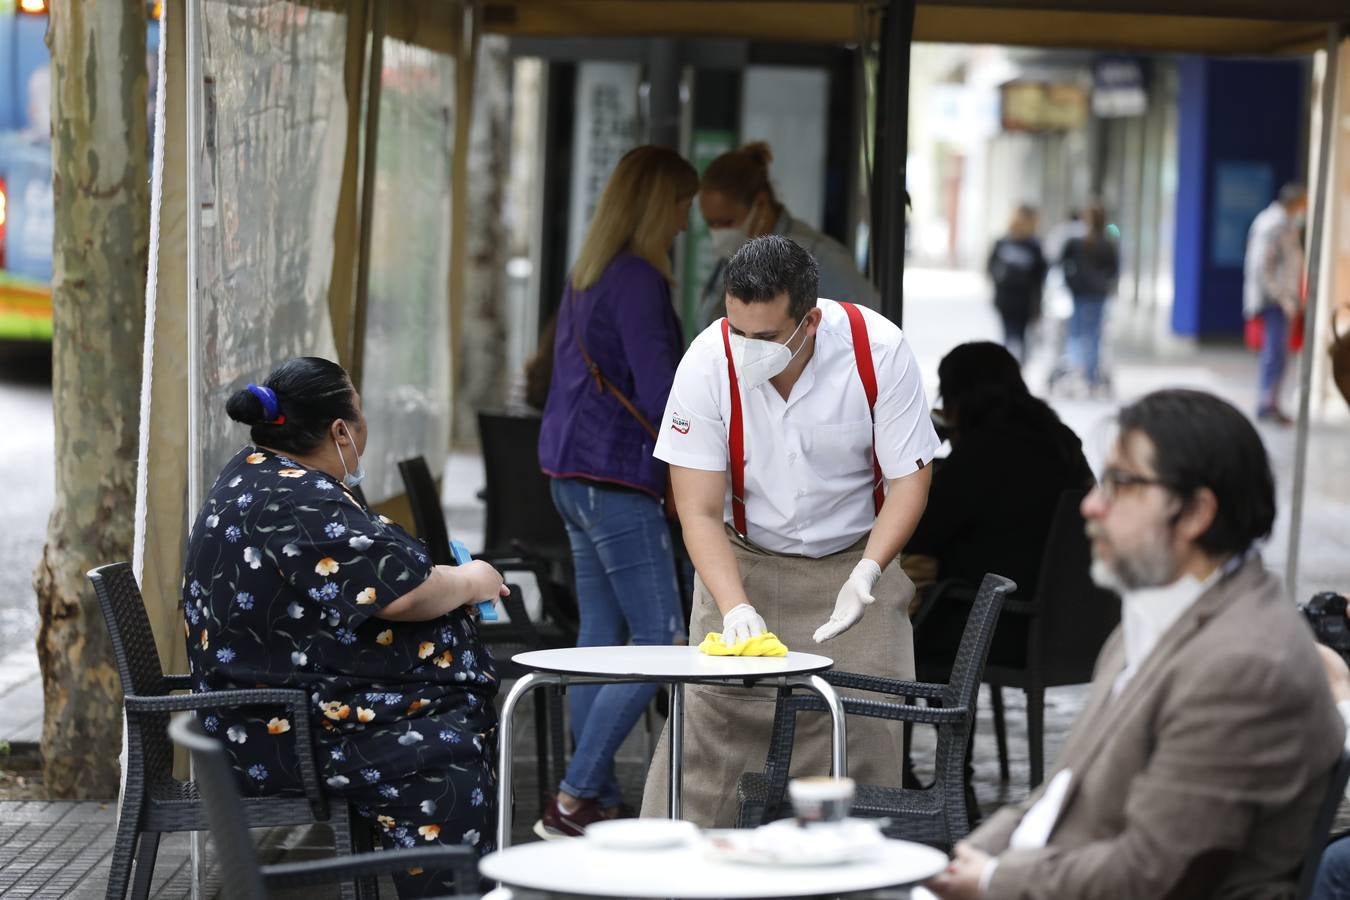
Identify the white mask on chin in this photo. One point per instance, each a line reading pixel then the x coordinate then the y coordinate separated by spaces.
pixel 353 478
pixel 758 361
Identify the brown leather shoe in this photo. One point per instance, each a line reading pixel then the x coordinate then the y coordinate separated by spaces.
pixel 556 823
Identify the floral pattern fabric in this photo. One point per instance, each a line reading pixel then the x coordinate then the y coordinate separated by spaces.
pixel 285 572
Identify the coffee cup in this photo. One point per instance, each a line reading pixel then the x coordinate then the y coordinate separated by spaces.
pixel 820 799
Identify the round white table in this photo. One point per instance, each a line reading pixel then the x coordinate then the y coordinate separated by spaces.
pixel 579 866
pixel 675 666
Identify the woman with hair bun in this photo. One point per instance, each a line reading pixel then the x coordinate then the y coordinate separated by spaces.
pixel 737 200
pixel 291 582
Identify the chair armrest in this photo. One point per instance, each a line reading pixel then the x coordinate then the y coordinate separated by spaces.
pixel 879 685
pixel 343 868
pixel 177 683
pixel 877 709
pixel 295 700
pixel 539 568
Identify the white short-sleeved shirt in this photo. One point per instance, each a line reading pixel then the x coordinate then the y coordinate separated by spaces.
pixel 808 459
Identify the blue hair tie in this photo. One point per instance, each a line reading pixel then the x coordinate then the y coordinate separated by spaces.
pixel 268 398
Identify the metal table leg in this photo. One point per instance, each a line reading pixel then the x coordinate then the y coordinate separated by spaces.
pixel 838 725
pixel 505 739
pixel 676 746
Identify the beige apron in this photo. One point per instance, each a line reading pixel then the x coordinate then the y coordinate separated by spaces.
pixel 726 729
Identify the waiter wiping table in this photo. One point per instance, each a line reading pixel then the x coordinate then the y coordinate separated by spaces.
pixel 798 438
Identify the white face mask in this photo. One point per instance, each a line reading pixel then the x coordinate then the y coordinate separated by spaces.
pixel 354 478
pixel 757 361
pixel 726 241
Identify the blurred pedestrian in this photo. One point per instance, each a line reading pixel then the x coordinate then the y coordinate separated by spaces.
pixel 1091 265
pixel 617 345
pixel 1272 280
pixel 1017 268
pixel 738 202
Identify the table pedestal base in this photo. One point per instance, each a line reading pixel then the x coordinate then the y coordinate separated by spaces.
pixel 535 680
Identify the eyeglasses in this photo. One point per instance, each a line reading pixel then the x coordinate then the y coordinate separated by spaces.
pixel 1114 480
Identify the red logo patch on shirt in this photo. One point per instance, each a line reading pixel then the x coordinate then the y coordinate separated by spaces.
pixel 679 423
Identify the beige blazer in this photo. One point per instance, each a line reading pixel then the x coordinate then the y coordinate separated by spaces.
pixel 1203 777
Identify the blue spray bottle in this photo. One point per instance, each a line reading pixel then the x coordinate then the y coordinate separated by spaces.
pixel 487 609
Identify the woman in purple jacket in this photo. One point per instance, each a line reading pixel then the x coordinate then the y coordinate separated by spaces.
pixel 614 357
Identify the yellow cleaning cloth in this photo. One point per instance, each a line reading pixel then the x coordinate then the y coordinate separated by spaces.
pixel 766 644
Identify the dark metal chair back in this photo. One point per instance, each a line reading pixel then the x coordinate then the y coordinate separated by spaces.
pixel 224 810
pixel 425 500
pixel 1326 818
pixel 521 517
pixel 138 665
pixel 1072 616
pixel 963 684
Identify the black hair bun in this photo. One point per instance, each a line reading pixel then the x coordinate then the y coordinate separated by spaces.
pixel 245 407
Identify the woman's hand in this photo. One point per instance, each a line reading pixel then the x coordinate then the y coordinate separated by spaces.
pixel 477 581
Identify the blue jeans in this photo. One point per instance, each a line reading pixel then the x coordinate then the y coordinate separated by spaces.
pixel 1274 352
pixel 1015 334
pixel 626 589
pixel 1333 874
pixel 1085 336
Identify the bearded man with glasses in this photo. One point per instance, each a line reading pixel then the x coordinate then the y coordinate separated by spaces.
pixel 1198 764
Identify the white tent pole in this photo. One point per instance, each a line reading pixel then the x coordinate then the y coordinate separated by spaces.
pixel 194 143
pixel 194 362
pixel 1319 214
pixel 151 290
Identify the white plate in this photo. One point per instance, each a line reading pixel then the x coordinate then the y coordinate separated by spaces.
pixel 641 834
pixel 784 843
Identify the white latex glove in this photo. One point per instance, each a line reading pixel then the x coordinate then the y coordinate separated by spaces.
pixel 740 623
pixel 854 597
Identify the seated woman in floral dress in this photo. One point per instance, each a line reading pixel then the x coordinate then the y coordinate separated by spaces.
pixel 291 582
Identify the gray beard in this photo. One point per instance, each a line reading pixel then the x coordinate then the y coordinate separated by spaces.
pixel 1154 567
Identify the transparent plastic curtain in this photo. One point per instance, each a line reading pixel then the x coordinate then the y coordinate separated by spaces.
pixel 273 119
pixel 405 389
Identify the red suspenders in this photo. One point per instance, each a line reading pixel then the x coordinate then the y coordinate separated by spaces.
pixel 862 354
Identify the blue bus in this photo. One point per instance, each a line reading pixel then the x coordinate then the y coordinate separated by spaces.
pixel 26 214
pixel 25 173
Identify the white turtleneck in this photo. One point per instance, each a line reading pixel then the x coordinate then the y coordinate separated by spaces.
pixel 1147 613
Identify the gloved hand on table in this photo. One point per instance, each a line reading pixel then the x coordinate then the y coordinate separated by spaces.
pixel 740 623
pixel 854 598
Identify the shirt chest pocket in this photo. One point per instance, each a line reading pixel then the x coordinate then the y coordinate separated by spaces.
pixel 841 450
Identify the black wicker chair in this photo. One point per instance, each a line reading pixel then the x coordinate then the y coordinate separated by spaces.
pixel 1065 623
pixel 247 879
pixel 1326 818
pixel 507 638
pixel 521 517
pixel 153 800
pixel 934 815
